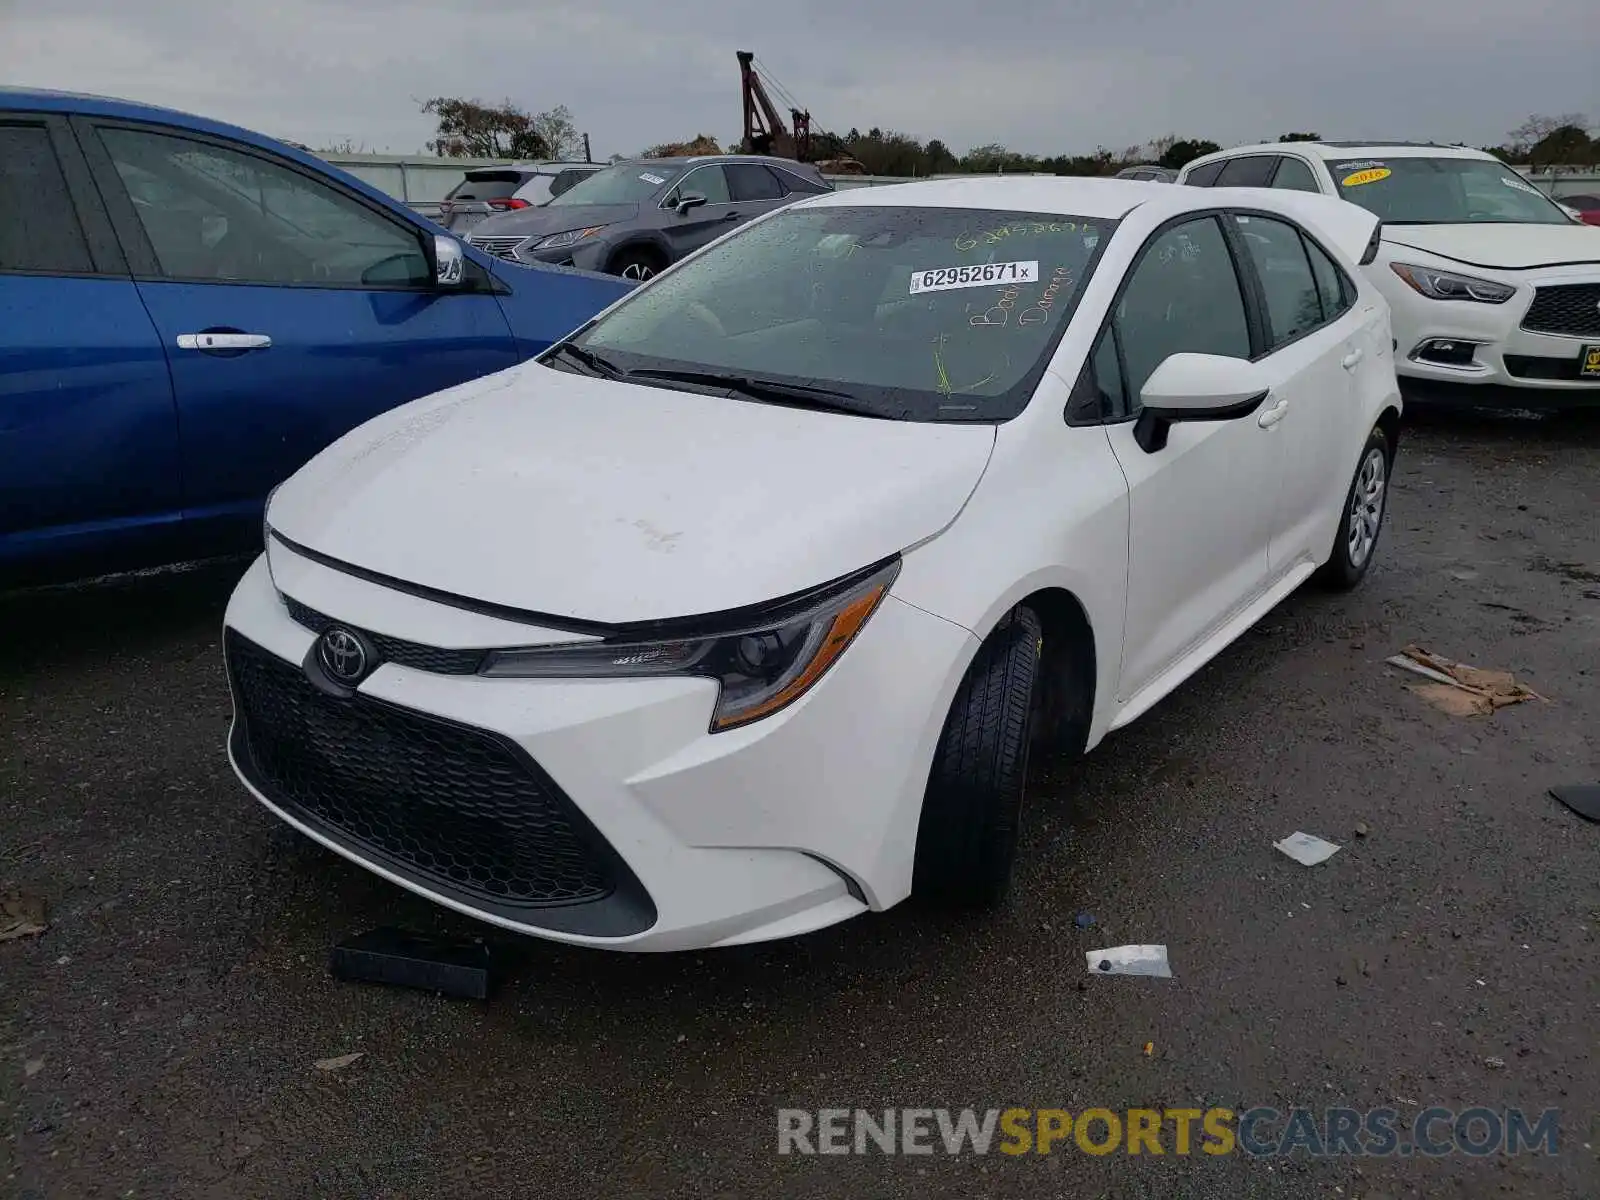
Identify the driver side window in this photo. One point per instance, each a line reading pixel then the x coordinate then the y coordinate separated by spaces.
pixel 1182 296
pixel 218 215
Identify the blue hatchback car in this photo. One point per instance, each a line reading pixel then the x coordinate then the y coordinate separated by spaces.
pixel 189 311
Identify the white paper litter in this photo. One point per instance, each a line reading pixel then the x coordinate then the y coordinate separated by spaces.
pixel 1307 849
pixel 1129 960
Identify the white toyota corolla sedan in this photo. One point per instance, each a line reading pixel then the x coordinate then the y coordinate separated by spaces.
pixel 1493 287
pixel 736 613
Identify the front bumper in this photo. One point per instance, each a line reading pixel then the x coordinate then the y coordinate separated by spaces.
pixel 587 255
pixel 1509 364
pixel 597 812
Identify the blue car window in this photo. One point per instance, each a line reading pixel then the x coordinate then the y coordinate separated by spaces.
pixel 220 215
pixel 40 230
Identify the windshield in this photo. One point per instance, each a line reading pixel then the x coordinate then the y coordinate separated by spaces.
pixel 1443 191
pixel 928 314
pixel 625 183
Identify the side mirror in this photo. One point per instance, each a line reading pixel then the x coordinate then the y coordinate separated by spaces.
pixel 1197 387
pixel 449 263
pixel 692 200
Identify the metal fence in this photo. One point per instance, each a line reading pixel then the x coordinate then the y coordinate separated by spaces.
pixel 423 182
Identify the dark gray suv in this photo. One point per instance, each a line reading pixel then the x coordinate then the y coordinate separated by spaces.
pixel 638 217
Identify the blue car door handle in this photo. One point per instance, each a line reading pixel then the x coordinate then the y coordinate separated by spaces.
pixel 224 341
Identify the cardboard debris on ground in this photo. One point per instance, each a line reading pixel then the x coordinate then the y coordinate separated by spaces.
pixel 340 1063
pixel 1459 689
pixel 1307 849
pixel 21 916
pixel 1129 960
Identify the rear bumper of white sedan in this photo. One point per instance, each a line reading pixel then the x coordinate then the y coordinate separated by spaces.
pixel 597 812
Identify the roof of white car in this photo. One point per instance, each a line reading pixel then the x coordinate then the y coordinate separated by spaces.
pixel 1343 150
pixel 1107 199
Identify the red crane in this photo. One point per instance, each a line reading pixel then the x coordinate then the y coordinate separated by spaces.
pixel 765 132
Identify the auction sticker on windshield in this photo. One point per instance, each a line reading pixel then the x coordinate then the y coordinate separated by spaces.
pixel 1370 175
pixel 943 279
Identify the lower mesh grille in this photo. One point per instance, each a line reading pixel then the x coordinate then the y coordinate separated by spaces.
pixel 456 805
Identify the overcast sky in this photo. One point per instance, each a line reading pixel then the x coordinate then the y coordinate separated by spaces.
pixel 1035 75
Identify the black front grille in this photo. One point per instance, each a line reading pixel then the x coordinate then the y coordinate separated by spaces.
pixel 459 806
pixel 1571 309
pixel 396 650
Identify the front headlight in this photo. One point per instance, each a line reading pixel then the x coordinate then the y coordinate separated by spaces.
pixel 558 241
pixel 1443 285
pixel 762 665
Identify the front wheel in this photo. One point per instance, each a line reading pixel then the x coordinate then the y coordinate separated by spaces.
pixel 636 263
pixel 1362 520
pixel 967 837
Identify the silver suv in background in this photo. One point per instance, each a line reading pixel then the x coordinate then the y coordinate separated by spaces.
pixel 487 191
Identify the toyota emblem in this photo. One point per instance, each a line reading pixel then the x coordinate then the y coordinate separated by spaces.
pixel 343 655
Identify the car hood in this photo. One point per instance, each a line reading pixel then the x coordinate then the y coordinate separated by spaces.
pixel 593 500
pixel 1506 247
pixel 547 220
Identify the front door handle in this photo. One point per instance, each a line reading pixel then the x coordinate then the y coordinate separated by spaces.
pixel 224 341
pixel 733 216
pixel 1349 361
pixel 1273 415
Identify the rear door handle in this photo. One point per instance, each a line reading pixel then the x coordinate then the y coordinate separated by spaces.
pixel 1273 415
pixel 1350 360
pixel 224 341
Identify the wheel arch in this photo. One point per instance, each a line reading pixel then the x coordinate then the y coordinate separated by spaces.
pixel 654 243
pixel 1389 421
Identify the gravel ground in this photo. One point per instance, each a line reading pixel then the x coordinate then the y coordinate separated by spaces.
pixel 158 1040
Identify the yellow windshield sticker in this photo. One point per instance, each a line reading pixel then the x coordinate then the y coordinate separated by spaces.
pixel 1372 175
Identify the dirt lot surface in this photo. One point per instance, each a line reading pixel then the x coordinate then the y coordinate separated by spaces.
pixel 159 1039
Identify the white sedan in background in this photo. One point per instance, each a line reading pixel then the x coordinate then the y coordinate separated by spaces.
pixel 737 613
pixel 1494 288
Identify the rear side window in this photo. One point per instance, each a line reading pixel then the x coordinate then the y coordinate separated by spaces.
pixel 1205 176
pixel 39 228
pixel 1295 176
pixel 801 183
pixel 1333 288
pixel 1293 304
pixel 1253 170
pixel 751 181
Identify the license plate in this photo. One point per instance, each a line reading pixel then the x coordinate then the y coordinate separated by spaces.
pixel 1589 363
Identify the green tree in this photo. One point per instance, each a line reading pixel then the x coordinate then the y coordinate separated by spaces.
pixel 1181 153
pixel 558 133
pixel 473 129
pixel 1299 137
pixel 1562 145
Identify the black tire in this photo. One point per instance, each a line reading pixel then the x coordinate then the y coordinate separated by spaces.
pixel 967 838
pixel 1345 567
pixel 636 262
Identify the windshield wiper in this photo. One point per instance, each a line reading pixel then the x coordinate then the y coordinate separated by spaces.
pixel 600 366
pixel 795 395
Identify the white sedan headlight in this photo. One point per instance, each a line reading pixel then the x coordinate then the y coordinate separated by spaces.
pixel 1446 285
pixel 762 664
